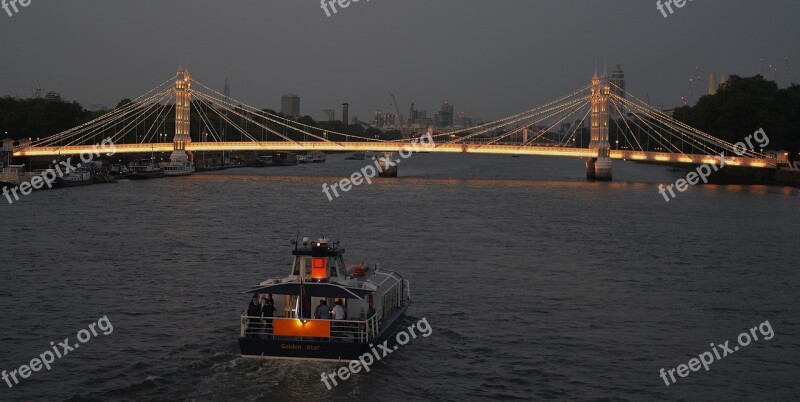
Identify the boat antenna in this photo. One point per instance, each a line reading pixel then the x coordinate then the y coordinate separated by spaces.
pixel 296 239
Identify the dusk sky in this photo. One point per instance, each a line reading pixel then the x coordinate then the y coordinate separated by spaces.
pixel 489 58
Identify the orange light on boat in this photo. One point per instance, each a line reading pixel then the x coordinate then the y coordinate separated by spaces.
pixel 295 327
pixel 319 268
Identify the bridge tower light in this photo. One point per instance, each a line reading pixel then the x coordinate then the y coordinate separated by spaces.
pixel 183 86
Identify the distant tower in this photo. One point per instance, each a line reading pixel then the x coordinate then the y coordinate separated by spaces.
pixel 618 88
pixel 723 79
pixel 345 113
pixel 412 115
pixel 712 83
pixel 600 168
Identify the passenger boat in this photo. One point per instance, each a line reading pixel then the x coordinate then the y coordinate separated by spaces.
pixel 374 305
pixel 180 164
pixel 316 157
pixel 303 159
pixel 356 156
pixel 177 168
pixel 145 169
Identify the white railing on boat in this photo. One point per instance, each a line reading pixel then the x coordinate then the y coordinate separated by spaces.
pixel 340 330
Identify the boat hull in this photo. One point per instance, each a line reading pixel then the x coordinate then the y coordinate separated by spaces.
pixel 177 173
pixel 73 183
pixel 146 175
pixel 317 350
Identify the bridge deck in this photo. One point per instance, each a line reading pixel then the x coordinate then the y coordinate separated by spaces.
pixel 494 149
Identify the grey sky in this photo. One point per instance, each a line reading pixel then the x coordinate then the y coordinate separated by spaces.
pixel 489 58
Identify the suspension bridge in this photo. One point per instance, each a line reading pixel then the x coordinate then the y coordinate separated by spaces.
pixel 642 132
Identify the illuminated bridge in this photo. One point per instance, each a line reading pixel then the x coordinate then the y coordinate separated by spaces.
pixel 641 133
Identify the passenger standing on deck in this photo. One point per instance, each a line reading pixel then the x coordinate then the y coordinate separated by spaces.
pixel 268 307
pixel 323 312
pixel 338 311
pixel 253 311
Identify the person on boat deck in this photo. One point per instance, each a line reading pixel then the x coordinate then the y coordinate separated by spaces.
pixel 268 307
pixel 254 309
pixel 323 312
pixel 338 311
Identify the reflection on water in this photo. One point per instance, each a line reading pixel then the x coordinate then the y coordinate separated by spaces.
pixel 537 284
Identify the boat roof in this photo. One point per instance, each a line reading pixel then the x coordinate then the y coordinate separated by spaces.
pixel 313 289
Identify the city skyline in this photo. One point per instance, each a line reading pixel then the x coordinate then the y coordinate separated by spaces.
pixel 504 72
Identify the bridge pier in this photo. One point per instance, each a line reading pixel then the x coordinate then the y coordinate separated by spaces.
pixel 599 169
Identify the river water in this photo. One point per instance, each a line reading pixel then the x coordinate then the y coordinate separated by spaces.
pixel 536 283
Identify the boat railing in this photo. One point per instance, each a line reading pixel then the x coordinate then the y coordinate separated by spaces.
pixel 340 330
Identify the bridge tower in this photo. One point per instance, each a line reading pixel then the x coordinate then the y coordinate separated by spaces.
pixel 183 86
pixel 600 168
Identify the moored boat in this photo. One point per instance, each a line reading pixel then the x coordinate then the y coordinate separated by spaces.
pixel 11 175
pixel 356 156
pixel 284 159
pixel 322 312
pixel 79 177
pixel 172 169
pixel 302 158
pixel 263 161
pixel 144 169
pixel 316 157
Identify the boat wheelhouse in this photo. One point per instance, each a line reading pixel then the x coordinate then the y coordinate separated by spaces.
pixel 323 311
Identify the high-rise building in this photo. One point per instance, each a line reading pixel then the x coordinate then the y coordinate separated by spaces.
pixel 290 105
pixel 345 113
pixel 328 115
pixel 412 115
pixel 444 117
pixel 377 121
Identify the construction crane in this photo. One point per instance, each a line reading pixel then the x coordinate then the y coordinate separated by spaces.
pixel 393 101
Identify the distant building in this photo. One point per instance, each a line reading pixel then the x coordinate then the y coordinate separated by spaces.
pixel 390 120
pixel 377 120
pixel 445 116
pixel 52 95
pixel 328 115
pixel 346 113
pixel 412 115
pixel 290 105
